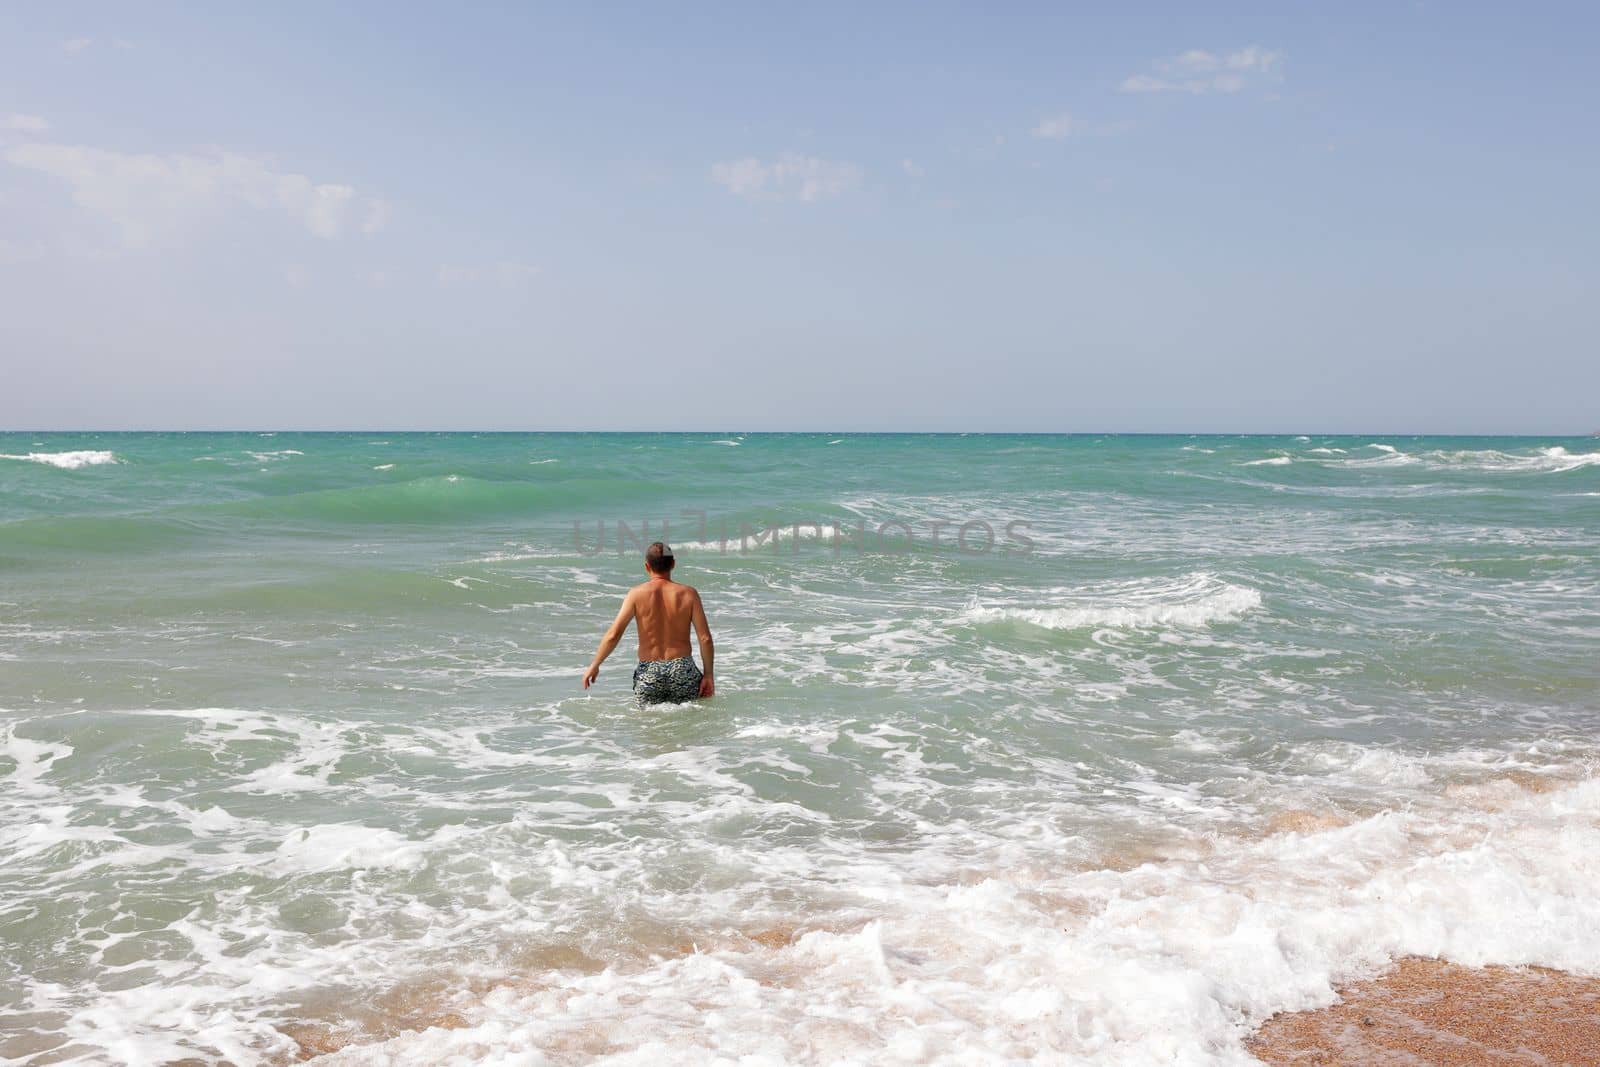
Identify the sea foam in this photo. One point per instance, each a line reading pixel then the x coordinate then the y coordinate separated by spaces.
pixel 1170 961
pixel 67 460
pixel 1193 600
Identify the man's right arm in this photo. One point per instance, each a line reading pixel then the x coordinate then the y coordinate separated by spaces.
pixel 608 643
pixel 702 630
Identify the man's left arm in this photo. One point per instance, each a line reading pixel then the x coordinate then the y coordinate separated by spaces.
pixel 608 643
pixel 702 628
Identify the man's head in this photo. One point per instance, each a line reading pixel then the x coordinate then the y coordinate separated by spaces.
pixel 658 558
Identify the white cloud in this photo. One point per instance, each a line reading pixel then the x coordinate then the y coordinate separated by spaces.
pixel 1060 126
pixel 149 195
pixel 323 207
pixel 789 177
pixel 1055 127
pixel 18 123
pixel 76 44
pixel 377 216
pixel 1199 72
pixel 505 274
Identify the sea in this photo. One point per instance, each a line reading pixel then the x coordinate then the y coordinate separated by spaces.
pixel 1025 749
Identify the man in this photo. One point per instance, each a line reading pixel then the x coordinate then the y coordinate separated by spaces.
pixel 664 611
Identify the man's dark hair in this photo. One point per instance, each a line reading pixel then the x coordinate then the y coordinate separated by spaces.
pixel 658 557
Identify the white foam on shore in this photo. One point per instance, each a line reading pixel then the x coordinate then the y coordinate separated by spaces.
pixel 996 933
pixel 1190 601
pixel 1170 962
pixel 66 460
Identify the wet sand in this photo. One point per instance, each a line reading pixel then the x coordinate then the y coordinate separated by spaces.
pixel 1425 1012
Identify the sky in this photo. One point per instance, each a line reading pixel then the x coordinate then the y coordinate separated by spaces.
pixel 1274 217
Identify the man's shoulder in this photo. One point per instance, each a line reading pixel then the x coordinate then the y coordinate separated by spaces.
pixel 675 589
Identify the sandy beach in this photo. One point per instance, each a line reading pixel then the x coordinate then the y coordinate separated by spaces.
pixel 1442 1014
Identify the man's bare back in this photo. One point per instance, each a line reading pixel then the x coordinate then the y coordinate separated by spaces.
pixel 664 611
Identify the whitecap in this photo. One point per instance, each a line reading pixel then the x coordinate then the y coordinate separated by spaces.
pixel 1191 601
pixel 758 537
pixel 67 460
pixel 1552 460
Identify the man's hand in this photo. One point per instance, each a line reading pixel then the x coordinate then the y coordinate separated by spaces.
pixel 707 686
pixel 591 674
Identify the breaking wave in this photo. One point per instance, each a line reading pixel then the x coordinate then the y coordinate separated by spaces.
pixel 66 460
pixel 1191 601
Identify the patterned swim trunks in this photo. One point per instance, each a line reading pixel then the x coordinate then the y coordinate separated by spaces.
pixel 666 681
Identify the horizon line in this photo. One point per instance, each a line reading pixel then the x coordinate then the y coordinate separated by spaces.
pixel 817 432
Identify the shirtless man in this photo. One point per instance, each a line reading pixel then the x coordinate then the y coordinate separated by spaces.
pixel 664 610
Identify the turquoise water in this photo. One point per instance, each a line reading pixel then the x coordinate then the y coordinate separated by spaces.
pixel 1162 734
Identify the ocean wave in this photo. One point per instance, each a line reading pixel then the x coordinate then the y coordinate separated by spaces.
pixel 66 460
pixel 1191 601
pixel 419 501
pixel 761 536
pixel 1273 461
pixel 449 497
pixel 1171 957
pixel 1551 460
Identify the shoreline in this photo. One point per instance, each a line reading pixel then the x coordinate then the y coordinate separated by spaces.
pixel 1419 1011
pixel 1428 1011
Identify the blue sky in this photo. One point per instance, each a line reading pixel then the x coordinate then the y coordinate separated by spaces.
pixel 1273 217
